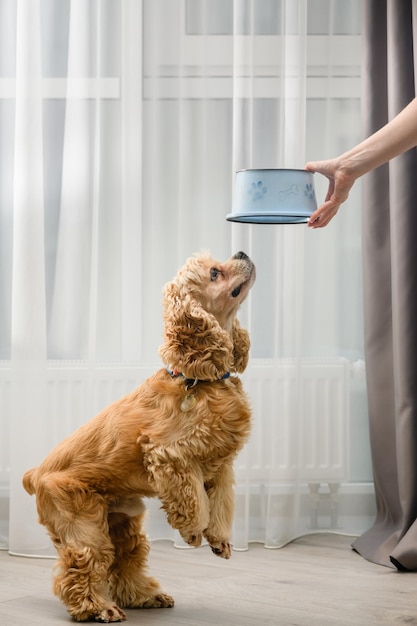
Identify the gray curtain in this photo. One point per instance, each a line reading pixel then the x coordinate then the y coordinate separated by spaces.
pixel 390 285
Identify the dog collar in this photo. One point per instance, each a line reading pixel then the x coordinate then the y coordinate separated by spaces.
pixel 191 382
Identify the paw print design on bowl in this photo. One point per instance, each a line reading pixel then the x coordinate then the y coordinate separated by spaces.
pixel 309 191
pixel 257 190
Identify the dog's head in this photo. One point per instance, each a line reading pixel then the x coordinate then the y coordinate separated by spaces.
pixel 203 338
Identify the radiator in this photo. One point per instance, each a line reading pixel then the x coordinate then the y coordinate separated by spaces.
pixel 300 422
pixel 300 414
pixel 72 394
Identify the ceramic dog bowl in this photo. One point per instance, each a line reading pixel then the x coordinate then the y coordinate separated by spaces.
pixel 273 196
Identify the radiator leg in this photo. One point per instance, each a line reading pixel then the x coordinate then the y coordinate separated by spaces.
pixel 334 504
pixel 314 504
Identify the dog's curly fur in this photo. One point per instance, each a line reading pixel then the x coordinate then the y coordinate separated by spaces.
pixel 175 437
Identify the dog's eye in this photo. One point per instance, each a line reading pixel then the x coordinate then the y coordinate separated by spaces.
pixel 214 272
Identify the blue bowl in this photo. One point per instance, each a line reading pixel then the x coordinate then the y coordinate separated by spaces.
pixel 273 196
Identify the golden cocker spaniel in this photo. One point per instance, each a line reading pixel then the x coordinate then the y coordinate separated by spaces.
pixel 174 437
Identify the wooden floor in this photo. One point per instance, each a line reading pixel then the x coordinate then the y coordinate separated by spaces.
pixel 315 581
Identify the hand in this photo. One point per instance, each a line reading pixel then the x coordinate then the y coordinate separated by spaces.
pixel 340 183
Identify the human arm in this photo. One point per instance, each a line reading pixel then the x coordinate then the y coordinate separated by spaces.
pixel 396 137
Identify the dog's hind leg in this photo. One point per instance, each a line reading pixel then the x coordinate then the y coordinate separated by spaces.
pixel 81 584
pixel 130 586
pixel 76 519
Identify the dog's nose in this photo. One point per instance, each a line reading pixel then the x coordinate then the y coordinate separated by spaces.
pixel 240 255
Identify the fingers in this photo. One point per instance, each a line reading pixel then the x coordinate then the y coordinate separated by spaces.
pixel 323 215
pixel 330 191
pixel 340 184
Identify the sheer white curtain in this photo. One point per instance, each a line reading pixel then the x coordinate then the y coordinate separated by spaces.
pixel 122 124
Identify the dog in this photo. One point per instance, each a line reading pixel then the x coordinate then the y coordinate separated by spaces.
pixel 175 437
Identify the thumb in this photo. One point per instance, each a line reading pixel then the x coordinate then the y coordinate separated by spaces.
pixel 321 167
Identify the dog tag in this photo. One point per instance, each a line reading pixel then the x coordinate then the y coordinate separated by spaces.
pixel 188 402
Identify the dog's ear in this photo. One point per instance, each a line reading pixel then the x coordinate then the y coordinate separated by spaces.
pixel 241 346
pixel 194 342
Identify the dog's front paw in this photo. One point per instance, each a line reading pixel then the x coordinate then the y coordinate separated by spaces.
pixel 221 549
pixel 193 539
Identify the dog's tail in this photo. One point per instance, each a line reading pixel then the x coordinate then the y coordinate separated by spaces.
pixel 29 482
